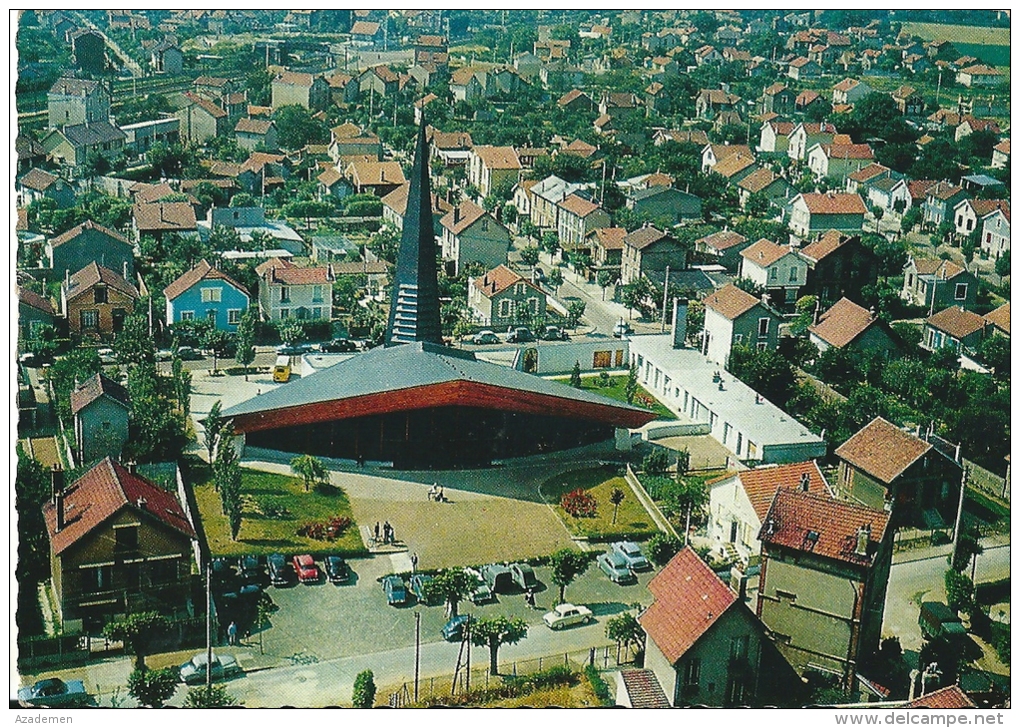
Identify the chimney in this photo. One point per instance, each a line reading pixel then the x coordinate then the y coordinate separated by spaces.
pixel 57 492
pixel 805 482
pixel 124 269
pixel 863 537
pixel 141 502
pixel 329 271
pixel 456 214
pixel 679 322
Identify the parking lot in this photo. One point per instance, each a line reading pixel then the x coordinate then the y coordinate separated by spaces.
pixel 325 621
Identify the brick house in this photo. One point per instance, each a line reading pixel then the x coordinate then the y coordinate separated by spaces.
pixel 96 301
pixel 838 265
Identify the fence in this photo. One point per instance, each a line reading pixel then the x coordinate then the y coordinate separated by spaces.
pixel 479 679
pixel 67 649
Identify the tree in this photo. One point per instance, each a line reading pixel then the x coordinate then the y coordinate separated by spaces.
pixel 968 548
pixel 550 242
pixel 805 307
pixel 575 375
pixel 662 547
pixel 567 565
pixel 766 372
pixel 133 344
pixel 153 688
pixel 575 312
pixel 296 128
pixel 1002 264
pixel 291 331
pixel 910 219
pixel 529 256
pixel 625 631
pixel 213 696
pixel 634 296
pixel 493 632
pixel 995 353
pixel 449 586
pixel 616 498
pixel 246 339
pixel 656 462
pixel 310 469
pixel 631 387
pixel 605 279
pixel 217 340
pixel 137 631
pixel 684 498
pixel 213 423
pixel 555 279
pixel 959 591
pixel 364 690
pixel 757 204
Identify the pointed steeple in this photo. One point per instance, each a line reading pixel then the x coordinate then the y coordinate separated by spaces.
pixel 414 307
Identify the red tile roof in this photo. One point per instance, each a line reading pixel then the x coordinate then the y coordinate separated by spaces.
pixel 94 388
pixel 944 270
pixel 94 273
pixel 205 104
pixel 37 179
pixel 999 318
pixel 497 280
pixel 866 173
pixel 462 217
pixel 948 698
pixel 498 157
pixel 822 525
pixel 276 270
pixel 761 483
pixel 87 225
pixel 731 302
pixel 253 126
pixel 643 689
pixel 722 240
pixel 40 303
pixel 956 322
pixel 104 491
pixel 644 236
pixel 164 216
pixel 611 238
pixel 578 205
pixel 829 242
pixel 842 323
pixel 764 252
pixel 201 271
pixel 689 599
pixel 758 180
pixel 882 450
pixel 833 203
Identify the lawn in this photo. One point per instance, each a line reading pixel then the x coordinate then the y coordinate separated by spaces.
pixel 275 507
pixel 959 33
pixel 617 390
pixel 631 518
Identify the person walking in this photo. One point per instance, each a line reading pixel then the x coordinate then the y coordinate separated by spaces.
pixel 414 563
pixel 439 496
pixel 387 532
pixel 377 531
pixel 232 633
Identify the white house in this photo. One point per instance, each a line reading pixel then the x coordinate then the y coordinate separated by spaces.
pixel 995 232
pixel 850 91
pixel 777 268
pixel 734 316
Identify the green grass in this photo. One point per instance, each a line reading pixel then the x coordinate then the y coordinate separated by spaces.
pixel 631 519
pixel 957 34
pixel 262 535
pixel 617 390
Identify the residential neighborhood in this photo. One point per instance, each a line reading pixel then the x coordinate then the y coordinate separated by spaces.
pixel 512 358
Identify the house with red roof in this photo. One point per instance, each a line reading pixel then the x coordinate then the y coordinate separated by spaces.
pixel 503 297
pixel 839 264
pixel 953 328
pixel 812 213
pixel 101 410
pixel 289 291
pixel 118 544
pixel 704 645
pixel 733 317
pixel 739 502
pixel 723 247
pixel 936 284
pixel 824 572
pixel 839 159
pixel 950 697
pixel 914 477
pixel 779 269
pixel 34 312
pixel 470 234
pixel 96 301
pixel 578 218
pixel 999 320
pixel 303 89
pixel 650 249
pixel 848 326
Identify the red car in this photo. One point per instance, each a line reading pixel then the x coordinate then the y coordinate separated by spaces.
pixel 305 568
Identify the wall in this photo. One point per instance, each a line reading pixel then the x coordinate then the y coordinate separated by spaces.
pixel 96 441
pixel 713 652
pixel 728 502
pixel 719 331
pixel 559 357
pixel 664 671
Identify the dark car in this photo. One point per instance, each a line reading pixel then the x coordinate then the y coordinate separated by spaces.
pixel 337 570
pixel 251 569
pixel 937 620
pixel 520 335
pixel 223 572
pixel 293 349
pixel 453 631
pixel 524 576
pixel 395 590
pixel 554 333
pixel 499 578
pixel 279 569
pixel 417 586
pixel 186 353
pixel 338 346
pixel 52 692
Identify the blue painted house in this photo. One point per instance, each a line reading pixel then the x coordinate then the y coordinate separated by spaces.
pixel 205 292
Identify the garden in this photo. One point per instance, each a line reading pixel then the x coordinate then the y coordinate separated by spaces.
pixel 597 503
pixel 615 387
pixel 278 515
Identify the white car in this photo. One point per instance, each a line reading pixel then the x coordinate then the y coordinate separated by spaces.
pixel 567 615
pixel 223 666
pixel 631 553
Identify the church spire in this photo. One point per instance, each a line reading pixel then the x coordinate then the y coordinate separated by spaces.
pixel 414 307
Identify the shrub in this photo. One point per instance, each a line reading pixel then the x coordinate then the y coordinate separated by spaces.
pixel 656 462
pixel 364 690
pixel 959 591
pixel 329 530
pixel 598 685
pixel 579 504
pixel 662 547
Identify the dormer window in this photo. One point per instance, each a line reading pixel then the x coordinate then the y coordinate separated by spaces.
pixel 101 294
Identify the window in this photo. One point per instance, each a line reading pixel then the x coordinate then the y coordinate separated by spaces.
pixel 212 295
pixel 233 316
pixel 793 274
pixel 988 237
pixel 762 345
pixel 317 312
pixel 961 291
pixel 970 225
pixel 959 220
pixel 284 313
pixel 738 647
pixel 187 315
pixel 485 224
pixel 774 274
pixel 211 315
pixel 740 338
pixel 763 326
pixel 533 305
pixel 284 294
pixel 317 293
pixel 90 319
pixel 692 673
pixel 518 289
pixel 101 295
pixel 127 539
pixel 505 308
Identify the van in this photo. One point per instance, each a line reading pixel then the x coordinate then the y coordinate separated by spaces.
pixel 281 371
pixel 939 621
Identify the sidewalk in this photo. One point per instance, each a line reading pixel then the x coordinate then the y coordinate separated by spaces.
pixel 995 541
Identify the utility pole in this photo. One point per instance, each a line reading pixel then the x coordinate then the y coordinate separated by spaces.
pixel 959 515
pixel 208 628
pixel 467 638
pixel 665 293
pixel 417 651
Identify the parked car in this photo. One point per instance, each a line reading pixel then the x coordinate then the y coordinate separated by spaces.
pixel 937 620
pixel 187 353
pixel 567 615
pixel 395 590
pixel 52 692
pixel 164 355
pixel 338 346
pixel 222 666
pixel 554 333
pixel 453 631
pixel 293 349
pixel 251 568
pixel 418 582
pixel 224 575
pixel 615 567
pixel 279 570
pixel 481 592
pixel 306 570
pixel 485 337
pixel 631 553
pixel 28 359
pixel 622 329
pixel 106 356
pixel 520 335
pixel 499 578
pixel 524 576
pixel 337 570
